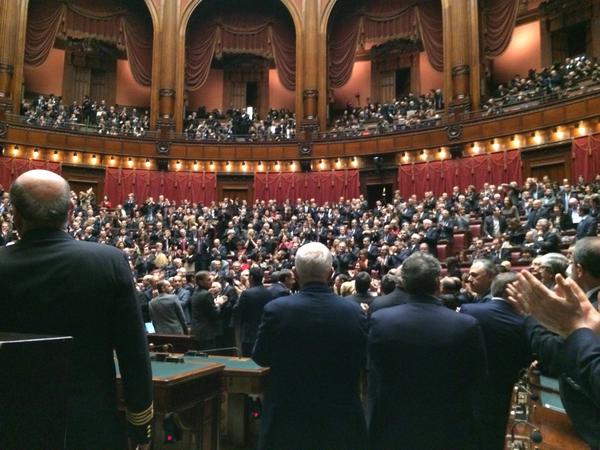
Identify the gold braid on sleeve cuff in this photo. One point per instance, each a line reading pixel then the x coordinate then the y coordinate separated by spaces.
pixel 140 418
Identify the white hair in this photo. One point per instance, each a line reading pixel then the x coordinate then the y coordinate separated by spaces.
pixel 313 262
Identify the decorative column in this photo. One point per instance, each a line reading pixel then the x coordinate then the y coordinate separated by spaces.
pixel 13 17
pixel 168 46
pixel 461 54
pixel 310 73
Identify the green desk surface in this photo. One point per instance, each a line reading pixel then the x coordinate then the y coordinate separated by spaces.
pixel 552 401
pixel 230 363
pixel 550 383
pixel 165 370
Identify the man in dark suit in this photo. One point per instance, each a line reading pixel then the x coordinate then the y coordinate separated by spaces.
pixel 480 277
pixel 283 282
pixel 494 225
pixel 248 310
pixel 536 213
pixel 397 297
pixel 205 313
pixel 550 347
pixel 314 342
pixel 507 351
pixel 362 297
pixel 588 225
pixel 548 240
pixel 59 286
pixel 429 361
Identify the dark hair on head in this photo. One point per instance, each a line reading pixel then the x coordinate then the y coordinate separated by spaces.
pixel 284 274
pixel 162 285
pixel 362 281
pixel 256 275
pixel 500 282
pixel 343 277
pixel 420 273
pixel 275 276
pixel 388 283
pixel 587 254
pixel 200 275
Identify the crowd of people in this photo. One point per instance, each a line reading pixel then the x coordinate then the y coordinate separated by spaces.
pixel 235 124
pixel 211 269
pixel 112 120
pixel 550 82
pixel 409 112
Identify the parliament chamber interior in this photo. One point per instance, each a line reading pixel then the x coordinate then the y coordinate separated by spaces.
pixel 210 140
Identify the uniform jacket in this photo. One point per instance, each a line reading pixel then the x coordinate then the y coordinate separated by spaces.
pixel 55 285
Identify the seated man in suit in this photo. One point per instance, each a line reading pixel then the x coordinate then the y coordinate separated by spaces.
pixel 429 361
pixel 166 312
pixel 508 352
pixel 314 342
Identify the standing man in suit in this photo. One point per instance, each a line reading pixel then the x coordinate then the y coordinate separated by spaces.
pixel 166 312
pixel 397 297
pixel 205 313
pixel 495 224
pixel 314 342
pixel 55 285
pixel 568 312
pixel 549 347
pixel 249 309
pixel 480 277
pixel 507 351
pixel 588 225
pixel 413 347
pixel 282 284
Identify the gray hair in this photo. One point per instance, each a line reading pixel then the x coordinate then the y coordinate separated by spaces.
pixel 420 273
pixel 555 263
pixel 313 262
pixel 41 214
pixel 488 266
pixel 500 282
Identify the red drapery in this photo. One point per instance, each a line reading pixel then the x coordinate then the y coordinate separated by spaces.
pixel 499 20
pixel 11 168
pixel 586 157
pixel 214 33
pixel 198 187
pixel 322 186
pixel 378 21
pixel 442 176
pixel 104 21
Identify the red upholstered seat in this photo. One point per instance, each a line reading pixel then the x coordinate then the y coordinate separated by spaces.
pixel 442 251
pixel 459 243
pixel 475 229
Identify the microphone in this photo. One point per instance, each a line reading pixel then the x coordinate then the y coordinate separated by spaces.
pixel 535 436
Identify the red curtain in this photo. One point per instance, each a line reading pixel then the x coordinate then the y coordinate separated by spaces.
pixel 213 33
pixel 322 186
pixel 431 29
pixel 586 157
pixel 105 21
pixel 499 19
pixel 11 168
pixel 442 176
pixel 198 187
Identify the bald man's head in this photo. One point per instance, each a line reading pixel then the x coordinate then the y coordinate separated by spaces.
pixel 41 200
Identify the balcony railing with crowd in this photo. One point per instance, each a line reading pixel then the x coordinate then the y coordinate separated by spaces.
pixel 574 76
pixel 236 124
pixel 87 116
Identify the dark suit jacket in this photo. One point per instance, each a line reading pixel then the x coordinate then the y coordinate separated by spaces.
pixel 248 312
pixel 488 225
pixel 582 375
pixel 550 243
pixel 429 361
pixel 279 290
pixel 508 352
pixel 397 297
pixel 314 342
pixel 205 315
pixel 552 353
pixel 587 227
pixel 58 286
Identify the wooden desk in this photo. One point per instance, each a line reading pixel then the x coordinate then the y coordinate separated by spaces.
pixel 181 342
pixel 192 393
pixel 555 427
